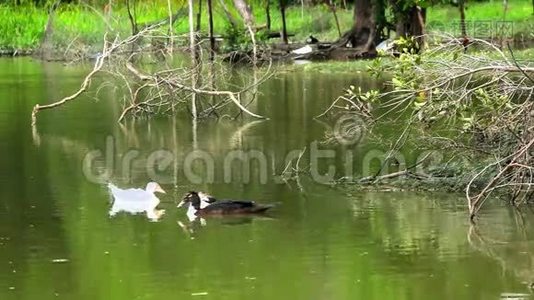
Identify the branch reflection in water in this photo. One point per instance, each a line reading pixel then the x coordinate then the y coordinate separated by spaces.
pixel 511 246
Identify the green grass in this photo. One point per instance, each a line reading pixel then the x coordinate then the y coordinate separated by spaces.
pixel 80 26
pixel 525 55
pixel 22 28
pixel 518 11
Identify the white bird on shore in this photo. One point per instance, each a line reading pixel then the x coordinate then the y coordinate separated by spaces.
pixel 303 50
pixel 137 201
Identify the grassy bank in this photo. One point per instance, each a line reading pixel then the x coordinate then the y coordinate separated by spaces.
pixel 82 26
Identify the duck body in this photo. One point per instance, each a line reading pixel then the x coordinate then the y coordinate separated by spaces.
pixel 201 204
pixel 136 200
pixel 226 207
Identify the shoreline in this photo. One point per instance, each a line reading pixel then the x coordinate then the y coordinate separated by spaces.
pixel 82 28
pixel 16 53
pixel 59 54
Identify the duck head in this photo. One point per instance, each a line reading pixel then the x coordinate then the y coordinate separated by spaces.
pixel 153 187
pixel 197 200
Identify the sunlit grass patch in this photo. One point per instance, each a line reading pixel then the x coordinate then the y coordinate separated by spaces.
pixel 22 27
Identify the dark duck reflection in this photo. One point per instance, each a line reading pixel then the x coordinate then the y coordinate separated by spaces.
pixel 200 204
pixel 137 201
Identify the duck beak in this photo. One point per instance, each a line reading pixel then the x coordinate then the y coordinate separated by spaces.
pixel 160 190
pixel 180 204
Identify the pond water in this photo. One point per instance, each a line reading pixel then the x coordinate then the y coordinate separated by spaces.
pixel 57 240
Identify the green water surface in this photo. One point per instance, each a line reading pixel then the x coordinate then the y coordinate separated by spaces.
pixel 58 242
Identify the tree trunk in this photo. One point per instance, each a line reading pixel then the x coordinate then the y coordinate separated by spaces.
pixel 268 14
pixel 461 7
pixel 212 38
pixel 283 13
pixel 193 55
pixel 410 23
pixel 418 21
pixel 46 47
pixel 132 17
pixel 364 29
pixel 248 18
pixel 171 31
pixel 381 21
pixel 463 29
pixel 228 14
pixel 361 37
pixel 244 10
pixel 199 15
pixel 332 7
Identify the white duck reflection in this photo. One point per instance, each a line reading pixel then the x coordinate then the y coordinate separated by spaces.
pixel 137 201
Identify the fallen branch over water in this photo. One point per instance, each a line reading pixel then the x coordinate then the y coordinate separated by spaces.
pixel 403 173
pixel 99 63
pixel 157 79
pixel 520 165
pixel 164 90
pixel 483 102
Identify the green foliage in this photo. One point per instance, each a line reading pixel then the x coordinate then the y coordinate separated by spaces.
pixel 21 27
pixel 444 16
pixel 467 101
pixel 357 94
pixel 236 40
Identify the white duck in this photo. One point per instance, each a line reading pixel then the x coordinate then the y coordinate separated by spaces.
pixel 136 201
